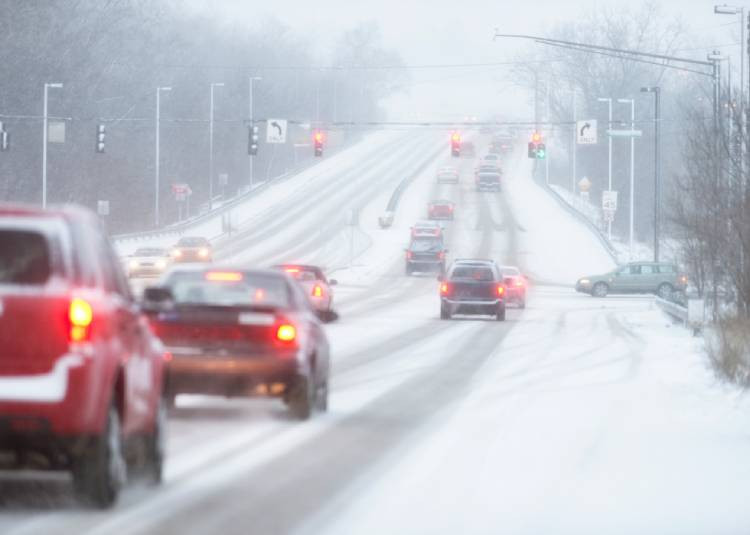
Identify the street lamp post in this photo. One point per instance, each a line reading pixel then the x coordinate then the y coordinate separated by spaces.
pixel 632 172
pixel 252 124
pixel 211 147
pixel 609 183
pixel 47 87
pixel 156 164
pixel 738 10
pixel 657 168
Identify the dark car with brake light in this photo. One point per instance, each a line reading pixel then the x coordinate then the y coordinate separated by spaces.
pixel 239 333
pixel 426 253
pixel 472 287
pixel 441 209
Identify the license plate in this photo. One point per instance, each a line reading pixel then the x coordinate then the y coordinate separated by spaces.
pixel 255 318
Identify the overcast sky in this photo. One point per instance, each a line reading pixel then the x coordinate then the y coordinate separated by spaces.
pixel 453 31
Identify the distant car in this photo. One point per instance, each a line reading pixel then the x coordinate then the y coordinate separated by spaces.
pixel 660 278
pixel 148 262
pixel 491 158
pixel 192 249
pixel 81 374
pixel 241 333
pixel 487 167
pixel 441 209
pixel 489 181
pixel 426 253
pixel 501 145
pixel 447 175
pixel 426 228
pixel 515 285
pixel 472 287
pixel 315 284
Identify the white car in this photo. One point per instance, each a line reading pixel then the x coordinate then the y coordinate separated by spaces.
pixel 316 285
pixel 147 262
pixel 447 175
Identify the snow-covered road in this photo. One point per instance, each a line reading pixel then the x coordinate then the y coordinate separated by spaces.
pixel 574 416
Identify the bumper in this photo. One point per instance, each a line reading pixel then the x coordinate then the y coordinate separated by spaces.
pixel 447 180
pixel 425 265
pixel 229 375
pixel 68 400
pixel 144 271
pixel 584 288
pixel 488 187
pixel 469 306
pixel 515 295
pixel 441 215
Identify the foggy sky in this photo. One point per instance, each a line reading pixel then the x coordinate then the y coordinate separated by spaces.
pixel 449 31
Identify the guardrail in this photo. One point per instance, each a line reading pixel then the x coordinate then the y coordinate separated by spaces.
pixel 691 316
pixel 585 220
pixel 178 229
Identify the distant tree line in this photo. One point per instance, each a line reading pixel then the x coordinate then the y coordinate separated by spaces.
pixel 111 56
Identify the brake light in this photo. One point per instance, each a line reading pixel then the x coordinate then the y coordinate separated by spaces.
pixel 500 290
pixel 409 255
pixel 223 276
pixel 286 333
pixel 317 291
pixel 445 288
pixel 80 315
pixel 291 270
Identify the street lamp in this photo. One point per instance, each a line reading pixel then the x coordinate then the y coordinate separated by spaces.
pixel 156 166
pixel 632 170
pixel 211 147
pixel 252 124
pixel 47 87
pixel 657 170
pixel 738 10
pixel 609 187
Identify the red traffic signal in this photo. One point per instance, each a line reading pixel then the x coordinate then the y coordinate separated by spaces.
pixel 456 137
pixel 318 138
pixel 455 144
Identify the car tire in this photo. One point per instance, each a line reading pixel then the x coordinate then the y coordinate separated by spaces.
pixel 321 397
pixel 100 472
pixel 445 313
pixel 156 445
pixel 500 314
pixel 600 289
pixel 665 291
pixel 301 398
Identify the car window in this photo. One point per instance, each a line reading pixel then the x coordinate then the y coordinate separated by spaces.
pixel 426 246
pixel 667 268
pixel 192 242
pixel 150 251
pixel 476 273
pixel 647 270
pixel 195 288
pixel 25 257
pixel 510 272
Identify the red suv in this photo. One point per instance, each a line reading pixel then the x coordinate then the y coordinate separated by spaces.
pixel 81 374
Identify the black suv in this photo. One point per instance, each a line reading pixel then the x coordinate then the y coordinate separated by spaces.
pixel 472 287
pixel 426 253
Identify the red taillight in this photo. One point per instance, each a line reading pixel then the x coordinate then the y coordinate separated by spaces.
pixel 445 289
pixel 80 316
pixel 292 270
pixel 286 333
pixel 317 291
pixel 441 255
pixel 450 208
pixel 409 255
pixel 500 290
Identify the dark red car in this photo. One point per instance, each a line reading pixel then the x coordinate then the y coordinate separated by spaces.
pixel 441 209
pixel 241 333
pixel 515 285
pixel 80 372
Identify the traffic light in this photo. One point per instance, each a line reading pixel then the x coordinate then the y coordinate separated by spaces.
pixel 532 149
pixel 541 151
pixel 318 141
pixel 252 141
pixel 455 144
pixel 4 139
pixel 536 137
pixel 101 133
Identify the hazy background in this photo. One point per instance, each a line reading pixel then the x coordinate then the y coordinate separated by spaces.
pixel 450 32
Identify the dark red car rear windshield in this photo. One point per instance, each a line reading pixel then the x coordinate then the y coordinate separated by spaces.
pixel 24 257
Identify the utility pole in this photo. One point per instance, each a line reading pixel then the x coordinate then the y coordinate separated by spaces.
pixel 609 180
pixel 252 124
pixel 632 174
pixel 156 163
pixel 575 142
pixel 656 90
pixel 211 147
pixel 47 87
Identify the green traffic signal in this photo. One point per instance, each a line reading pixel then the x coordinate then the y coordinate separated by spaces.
pixel 541 151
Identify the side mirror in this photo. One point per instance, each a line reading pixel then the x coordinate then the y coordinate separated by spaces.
pixel 333 282
pixel 157 299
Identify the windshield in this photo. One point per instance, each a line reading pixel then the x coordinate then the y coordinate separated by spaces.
pixel 251 290
pixel 193 242
pixel 426 245
pixel 151 252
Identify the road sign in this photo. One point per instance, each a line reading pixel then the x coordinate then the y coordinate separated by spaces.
pixel 586 132
pixel 276 131
pixel 56 132
pixel 223 179
pixel 102 207
pixel 181 191
pixel 609 201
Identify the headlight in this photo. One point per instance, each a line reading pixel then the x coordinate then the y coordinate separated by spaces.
pixel 584 281
pixel 160 264
pixel 203 253
pixel 177 253
pixel 133 264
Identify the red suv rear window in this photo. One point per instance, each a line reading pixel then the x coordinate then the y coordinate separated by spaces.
pixel 24 257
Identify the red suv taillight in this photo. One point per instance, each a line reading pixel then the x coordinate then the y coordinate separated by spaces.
pixel 445 289
pixel 500 290
pixel 80 316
